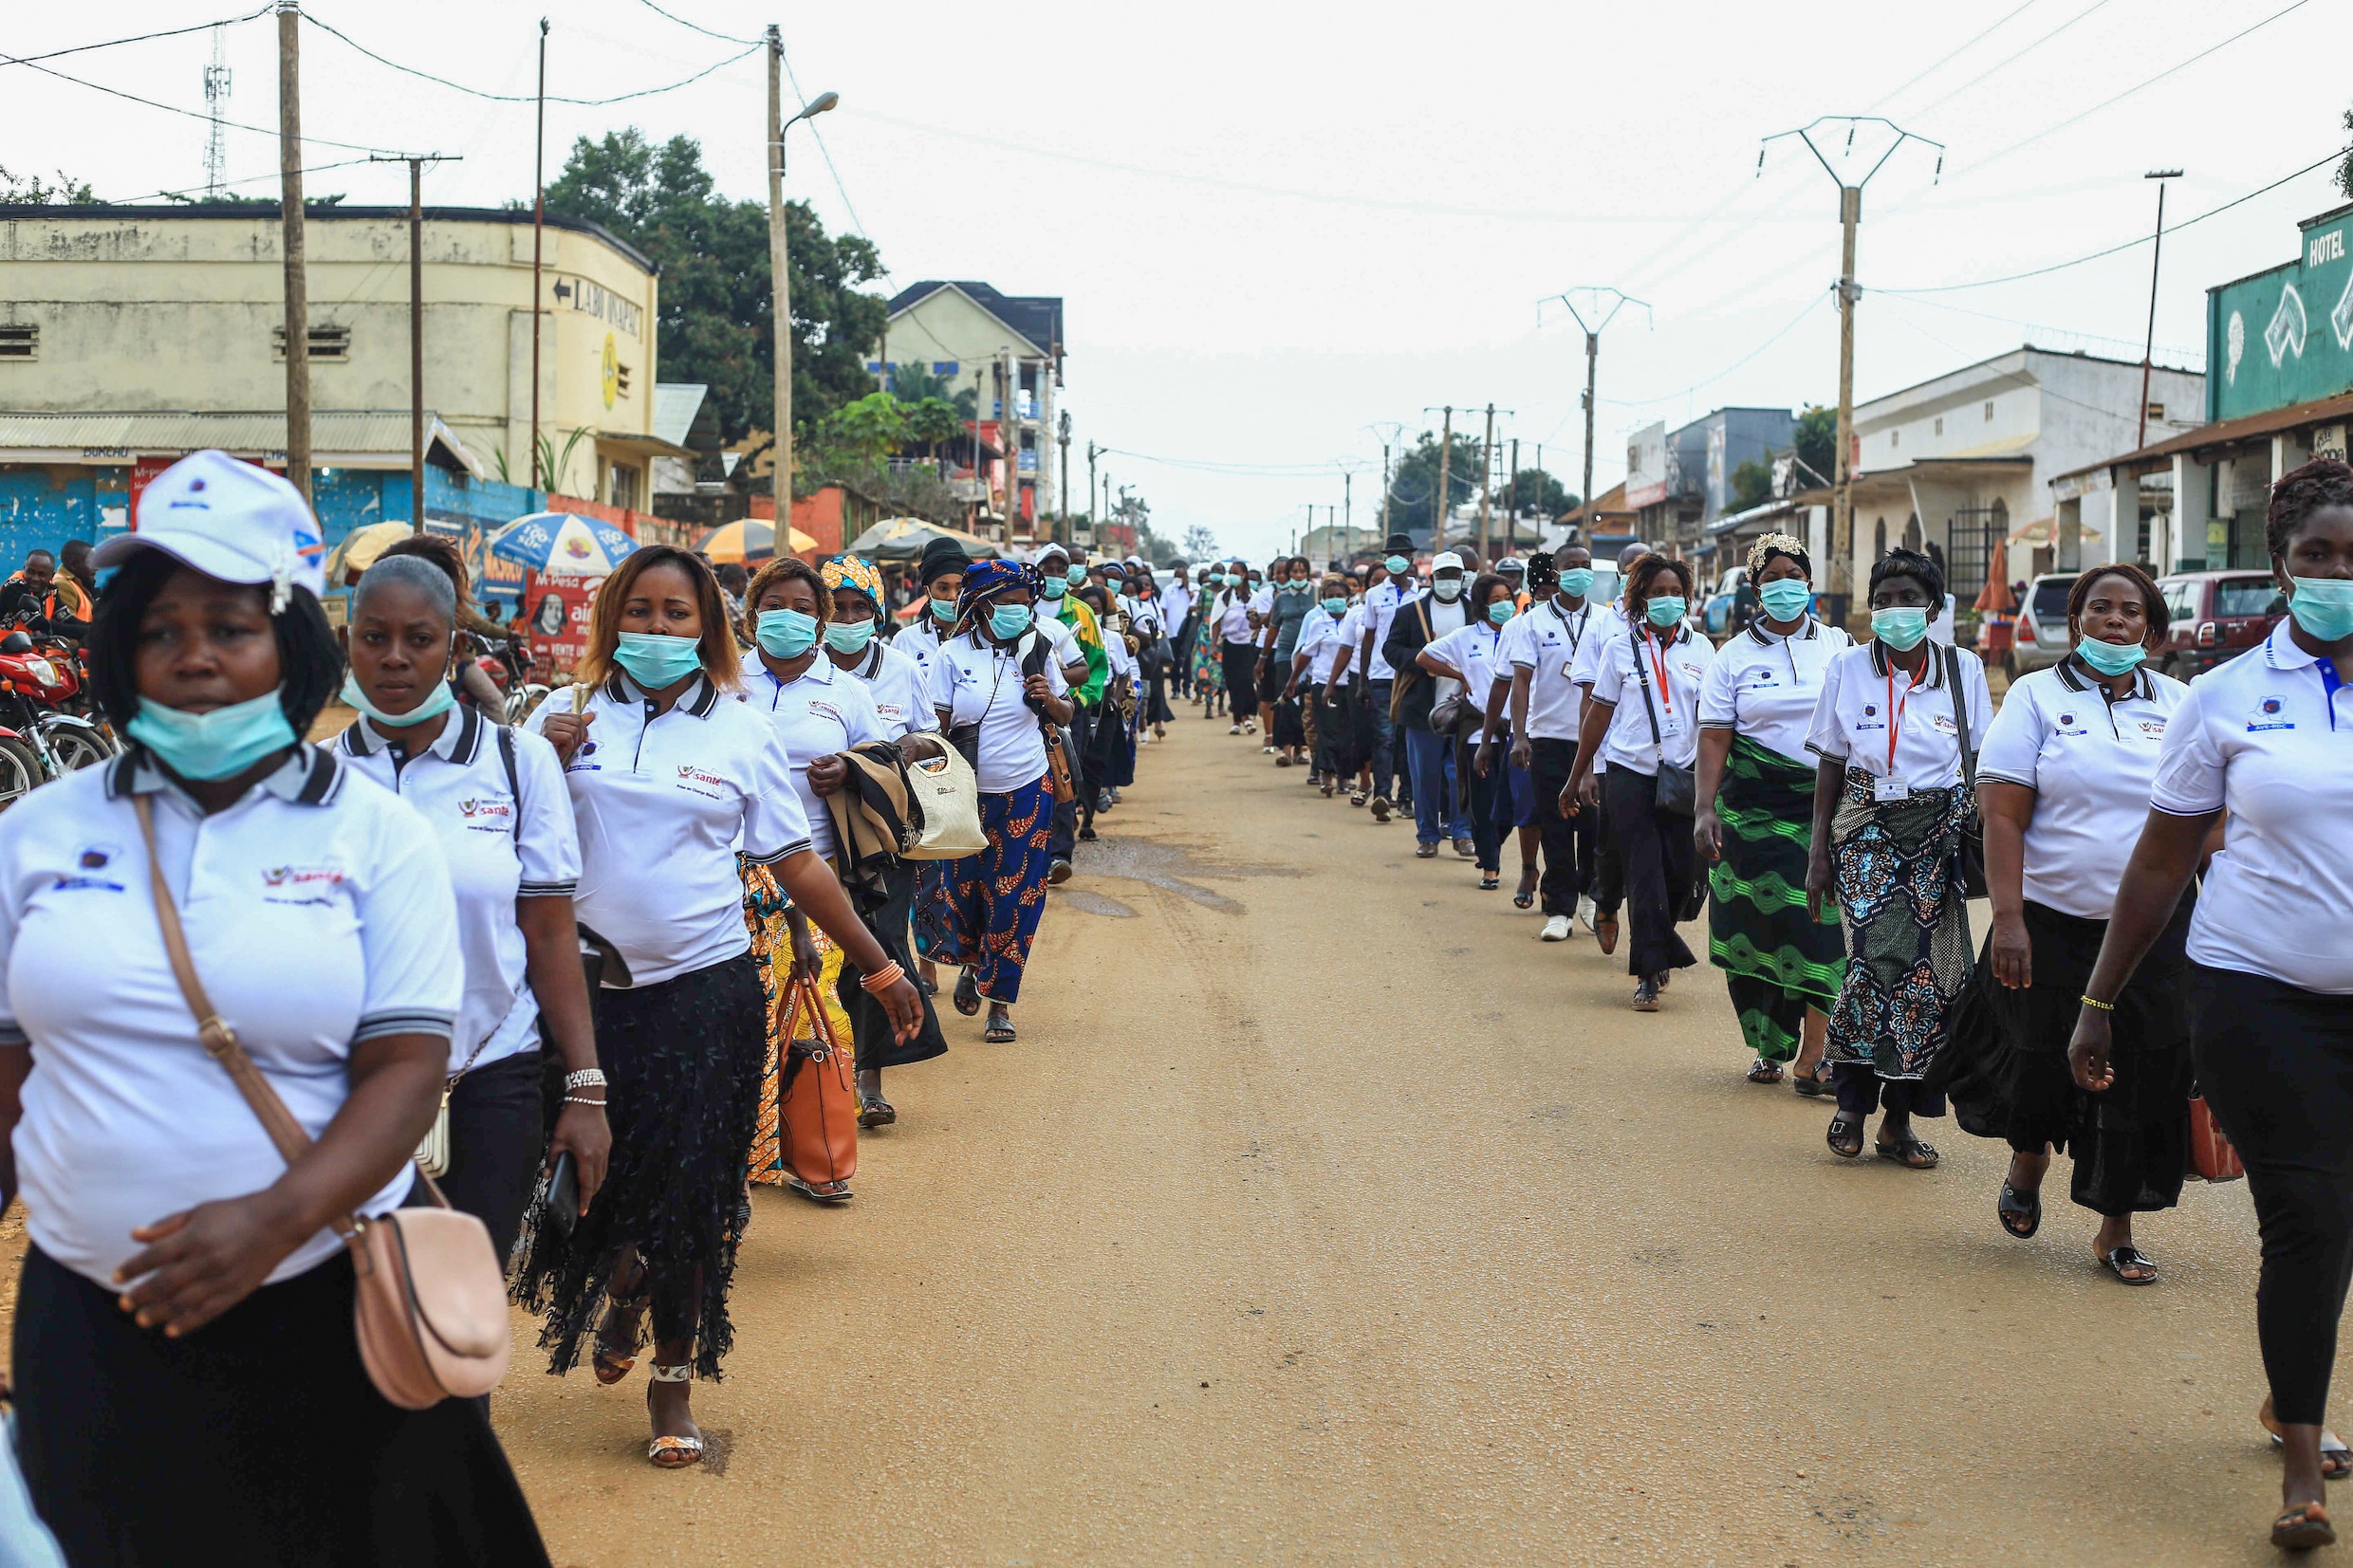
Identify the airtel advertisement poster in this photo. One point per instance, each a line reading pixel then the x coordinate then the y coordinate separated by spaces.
pixel 557 623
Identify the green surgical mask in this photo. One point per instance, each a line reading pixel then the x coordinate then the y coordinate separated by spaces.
pixel 1336 606
pixel 218 745
pixel 2323 606
pixel 1577 582
pixel 943 610
pixel 438 699
pixel 1786 598
pixel 1074 576
pixel 785 633
pixel 656 661
pixel 848 636
pixel 1397 564
pixel 1500 611
pixel 1664 610
pixel 2109 658
pixel 1900 627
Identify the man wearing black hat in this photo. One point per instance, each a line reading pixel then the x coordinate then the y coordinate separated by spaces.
pixel 1381 608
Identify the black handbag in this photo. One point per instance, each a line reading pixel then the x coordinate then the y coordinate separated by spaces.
pixel 1972 836
pixel 1679 786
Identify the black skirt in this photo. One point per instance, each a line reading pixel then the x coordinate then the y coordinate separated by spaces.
pixel 682 1059
pixel 256 1440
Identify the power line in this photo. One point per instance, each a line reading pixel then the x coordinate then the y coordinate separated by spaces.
pixel 856 225
pixel 697 27
pixel 1794 323
pixel 1261 471
pixel 1951 57
pixel 140 38
pixel 2013 60
pixel 193 114
pixel 523 97
pixel 256 180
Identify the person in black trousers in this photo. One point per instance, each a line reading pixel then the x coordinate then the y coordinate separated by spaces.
pixel 1538 650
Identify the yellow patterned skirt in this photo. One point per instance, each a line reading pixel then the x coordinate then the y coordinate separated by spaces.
pixel 765 902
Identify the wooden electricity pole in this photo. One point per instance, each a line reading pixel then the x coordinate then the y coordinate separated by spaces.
pixel 290 218
pixel 539 225
pixel 1487 482
pixel 417 326
pixel 779 266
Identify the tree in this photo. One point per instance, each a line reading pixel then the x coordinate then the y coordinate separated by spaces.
pixel 1201 543
pixel 933 422
pixel 864 432
pixel 2344 170
pixel 1816 444
pixel 715 295
pixel 30 192
pixel 911 382
pixel 1415 480
pixel 1538 491
pixel 1753 485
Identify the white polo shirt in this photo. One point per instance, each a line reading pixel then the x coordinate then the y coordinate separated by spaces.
pixel 319 914
pixel 825 710
pixel 1766 686
pixel 1474 649
pixel 2091 762
pixel 1229 613
pixel 1177 598
pixel 976 682
pixel 1860 694
pixel 498 848
pixel 1321 639
pixel 1684 662
pixel 1608 622
pixel 919 639
pixel 895 681
pixel 1381 608
pixel 664 804
pixel 2268 737
pixel 1545 642
pixel 1351 637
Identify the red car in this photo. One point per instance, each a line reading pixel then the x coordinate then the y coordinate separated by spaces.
pixel 2217 617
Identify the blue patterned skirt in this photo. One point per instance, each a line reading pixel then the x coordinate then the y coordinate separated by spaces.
pixel 1899 872
pixel 983 911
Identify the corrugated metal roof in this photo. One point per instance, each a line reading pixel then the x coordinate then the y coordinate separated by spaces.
pixel 98 434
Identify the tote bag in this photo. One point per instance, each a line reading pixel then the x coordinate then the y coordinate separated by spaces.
pixel 945 795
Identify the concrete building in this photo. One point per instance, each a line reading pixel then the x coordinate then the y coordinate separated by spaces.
pixel 1961 466
pixel 130 335
pixel 978 340
pixel 1685 475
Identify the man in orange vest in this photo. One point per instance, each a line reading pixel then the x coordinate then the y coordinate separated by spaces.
pixel 32 600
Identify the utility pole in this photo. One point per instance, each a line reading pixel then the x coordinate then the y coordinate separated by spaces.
pixel 1487 481
pixel 2156 253
pixel 1617 301
pixel 1347 510
pixel 290 218
pixel 417 326
pixel 779 286
pixel 1091 450
pixel 1850 215
pixel 1437 497
pixel 1384 491
pixel 1061 522
pixel 539 225
pixel 1512 542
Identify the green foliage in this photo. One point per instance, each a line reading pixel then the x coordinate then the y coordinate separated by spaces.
pixel 32 192
pixel 715 322
pixel 1817 445
pixel 911 382
pixel 1753 485
pixel 865 432
pixel 1538 491
pixel 934 421
pixel 1201 543
pixel 1415 480
pixel 2344 170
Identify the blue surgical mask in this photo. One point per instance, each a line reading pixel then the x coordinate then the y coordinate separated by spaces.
pixel 1901 627
pixel 943 610
pixel 438 699
pixel 1448 588
pixel 1009 620
pixel 1577 582
pixel 848 636
pixel 1055 587
pixel 655 661
pixel 218 745
pixel 1336 606
pixel 2110 658
pixel 2323 606
pixel 785 633
pixel 1233 580
pixel 1666 609
pixel 1786 598
pixel 1075 576
pixel 1397 564
pixel 1500 611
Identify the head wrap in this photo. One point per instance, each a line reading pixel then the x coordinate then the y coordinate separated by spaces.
pixel 1778 543
pixel 1112 569
pixel 940 557
pixel 988 580
pixel 849 571
pixel 1542 573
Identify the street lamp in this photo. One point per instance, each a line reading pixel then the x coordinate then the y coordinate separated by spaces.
pixel 779 264
pixel 2149 344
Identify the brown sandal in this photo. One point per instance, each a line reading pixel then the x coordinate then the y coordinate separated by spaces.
pixel 2303 1527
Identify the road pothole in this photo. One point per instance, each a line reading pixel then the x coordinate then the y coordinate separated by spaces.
pixel 1159 866
pixel 1095 903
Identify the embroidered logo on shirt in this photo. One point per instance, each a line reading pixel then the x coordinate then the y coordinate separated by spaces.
pixel 2266 717
pixel 68 884
pixel 486 816
pixel 1945 726
pixel 2154 729
pixel 696 781
pixel 294 876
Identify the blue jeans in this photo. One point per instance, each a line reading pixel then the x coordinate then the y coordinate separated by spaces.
pixel 1430 760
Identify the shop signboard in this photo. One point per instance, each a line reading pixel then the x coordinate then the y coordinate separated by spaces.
pixel 2284 336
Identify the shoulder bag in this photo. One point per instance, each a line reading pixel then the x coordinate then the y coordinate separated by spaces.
pixel 817 1101
pixel 431 1309
pixel 1972 836
pixel 943 797
pixel 1678 787
pixel 1058 765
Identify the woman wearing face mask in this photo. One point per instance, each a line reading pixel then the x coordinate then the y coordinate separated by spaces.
pixel 1893 808
pixel 673 775
pixel 1782 962
pixel 1231 623
pixel 187 1382
pixel 991 686
pixel 498 806
pixel 1547 707
pixel 1469 657
pixel 2262 740
pixel 1641 719
pixel 1201 656
pixel 1321 639
pixel 941 570
pixel 1285 611
pixel 2063 783
pixel 1150 611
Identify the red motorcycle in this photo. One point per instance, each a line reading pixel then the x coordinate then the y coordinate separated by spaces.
pixel 40 739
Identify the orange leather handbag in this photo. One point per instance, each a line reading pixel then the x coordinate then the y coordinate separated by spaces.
pixel 2212 1158
pixel 817 1118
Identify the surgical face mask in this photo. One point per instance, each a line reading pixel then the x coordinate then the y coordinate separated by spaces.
pixel 655 661
pixel 1448 588
pixel 437 700
pixel 1233 580
pixel 1009 620
pixel 1786 598
pixel 943 610
pixel 1337 606
pixel 218 745
pixel 1577 582
pixel 1900 627
pixel 2110 658
pixel 1397 564
pixel 1664 610
pixel 1074 576
pixel 848 636
pixel 1056 587
pixel 2323 606
pixel 1500 611
pixel 785 633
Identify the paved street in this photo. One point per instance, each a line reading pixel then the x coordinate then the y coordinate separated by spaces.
pixel 1354 1225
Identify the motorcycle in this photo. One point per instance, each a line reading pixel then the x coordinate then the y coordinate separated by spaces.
pixel 40 739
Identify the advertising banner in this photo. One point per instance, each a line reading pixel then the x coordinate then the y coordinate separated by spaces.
pixel 558 625
pixel 1646 465
pixel 2285 335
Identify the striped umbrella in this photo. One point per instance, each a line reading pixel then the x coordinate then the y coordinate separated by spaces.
pixel 562 545
pixel 746 540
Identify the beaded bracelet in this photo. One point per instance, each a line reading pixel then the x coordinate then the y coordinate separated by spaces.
pixel 580 1099
pixel 884 979
pixel 2095 1001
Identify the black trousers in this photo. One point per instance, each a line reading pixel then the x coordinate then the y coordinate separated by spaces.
pixel 1567 840
pixel 1606 875
pixel 1240 661
pixel 498 1138
pixel 256 1440
pixel 1382 753
pixel 2276 1067
pixel 1488 799
pixel 1659 862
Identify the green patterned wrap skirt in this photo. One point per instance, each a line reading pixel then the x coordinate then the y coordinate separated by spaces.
pixel 1777 960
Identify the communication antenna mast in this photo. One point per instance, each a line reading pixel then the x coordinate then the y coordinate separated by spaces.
pixel 215 106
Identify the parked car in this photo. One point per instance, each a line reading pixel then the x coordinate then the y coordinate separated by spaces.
pixel 2042 640
pixel 1717 607
pixel 2217 617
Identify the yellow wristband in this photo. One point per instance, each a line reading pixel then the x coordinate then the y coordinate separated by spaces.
pixel 2095 1001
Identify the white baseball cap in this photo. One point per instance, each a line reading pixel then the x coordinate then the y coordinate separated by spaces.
pixel 1052 552
pixel 1445 560
pixel 228 518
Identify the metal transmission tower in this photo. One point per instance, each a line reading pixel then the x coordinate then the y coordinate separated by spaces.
pixel 216 107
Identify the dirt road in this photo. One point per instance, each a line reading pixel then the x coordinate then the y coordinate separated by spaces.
pixel 1320 1214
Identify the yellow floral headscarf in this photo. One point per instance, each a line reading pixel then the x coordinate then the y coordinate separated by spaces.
pixel 849 571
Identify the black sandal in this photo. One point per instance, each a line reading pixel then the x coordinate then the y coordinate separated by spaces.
pixel 968 994
pixel 1845 1136
pixel 2015 1207
pixel 1000 1032
pixel 874 1111
pixel 1764 1072
pixel 1489 881
pixel 2303 1527
pixel 1812 1085
pixel 1910 1153
pixel 2117 1259
pixel 1526 898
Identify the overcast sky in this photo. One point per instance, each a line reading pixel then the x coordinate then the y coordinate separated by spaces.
pixel 1282 229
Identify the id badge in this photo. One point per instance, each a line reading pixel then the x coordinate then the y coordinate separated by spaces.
pixel 1890 788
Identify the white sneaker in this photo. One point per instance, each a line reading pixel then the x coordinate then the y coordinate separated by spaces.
pixel 1233 729
pixel 1556 928
pixel 1584 911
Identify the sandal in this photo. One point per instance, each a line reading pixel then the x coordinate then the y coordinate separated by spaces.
pixel 2021 1213
pixel 967 993
pixel 1910 1153
pixel 1526 898
pixel 611 1364
pixel 820 1191
pixel 2303 1527
pixel 2117 1259
pixel 1845 1136
pixel 1000 1032
pixel 1812 1085
pixel 874 1111
pixel 673 1453
pixel 2336 1458
pixel 1357 798
pixel 1489 881
pixel 1764 1072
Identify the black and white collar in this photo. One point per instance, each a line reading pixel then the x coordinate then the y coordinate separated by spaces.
pixel 2075 679
pixel 1933 677
pixel 459 742
pixel 620 688
pixel 310 776
pixel 1812 630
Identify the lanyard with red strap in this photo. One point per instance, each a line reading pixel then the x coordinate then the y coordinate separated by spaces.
pixel 1658 663
pixel 1895 712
